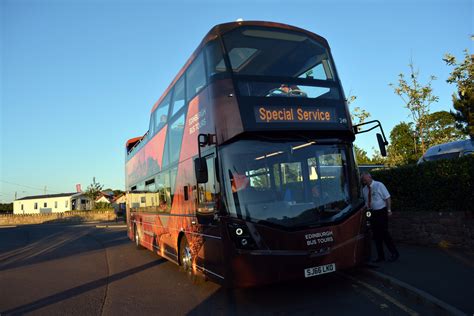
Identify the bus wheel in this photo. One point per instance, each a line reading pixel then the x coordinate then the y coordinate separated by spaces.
pixel 185 256
pixel 137 238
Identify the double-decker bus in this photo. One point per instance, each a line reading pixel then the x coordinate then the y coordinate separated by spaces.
pixel 247 172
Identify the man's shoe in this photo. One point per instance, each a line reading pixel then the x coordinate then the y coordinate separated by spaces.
pixel 378 260
pixel 393 257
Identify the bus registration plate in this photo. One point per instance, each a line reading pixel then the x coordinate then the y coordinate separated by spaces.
pixel 314 271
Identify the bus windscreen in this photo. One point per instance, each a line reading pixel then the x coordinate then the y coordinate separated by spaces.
pixel 289 184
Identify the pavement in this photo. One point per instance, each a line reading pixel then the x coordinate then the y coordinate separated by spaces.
pixel 443 278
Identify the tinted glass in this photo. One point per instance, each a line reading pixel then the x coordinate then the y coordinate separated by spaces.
pixel 196 77
pixel 292 184
pixel 215 59
pixel 175 135
pixel 160 115
pixel 178 96
pixel 276 52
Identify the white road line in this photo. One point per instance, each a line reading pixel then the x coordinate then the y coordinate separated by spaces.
pixel 375 290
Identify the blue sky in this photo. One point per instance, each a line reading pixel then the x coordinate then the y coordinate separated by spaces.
pixel 78 78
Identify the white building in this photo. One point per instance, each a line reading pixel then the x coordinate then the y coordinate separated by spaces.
pixel 51 203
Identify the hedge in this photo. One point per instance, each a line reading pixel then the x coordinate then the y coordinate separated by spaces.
pixel 442 186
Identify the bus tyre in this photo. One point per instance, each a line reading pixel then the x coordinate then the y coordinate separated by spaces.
pixel 185 256
pixel 137 238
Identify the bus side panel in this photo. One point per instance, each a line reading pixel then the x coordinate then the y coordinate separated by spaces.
pixel 206 245
pixel 147 161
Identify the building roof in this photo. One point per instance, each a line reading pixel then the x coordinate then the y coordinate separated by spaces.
pixel 47 196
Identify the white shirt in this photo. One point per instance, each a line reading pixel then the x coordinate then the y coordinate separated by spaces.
pixel 379 194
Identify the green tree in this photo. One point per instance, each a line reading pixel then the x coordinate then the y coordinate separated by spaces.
pixel 377 158
pixel 361 156
pixel 417 98
pixel 463 101
pixel 358 115
pixel 6 207
pixel 441 128
pixel 93 191
pixel 403 145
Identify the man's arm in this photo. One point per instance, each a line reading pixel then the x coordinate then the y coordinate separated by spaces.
pixel 388 202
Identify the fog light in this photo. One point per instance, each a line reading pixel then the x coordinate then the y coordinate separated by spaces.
pixel 244 242
pixel 368 214
pixel 239 231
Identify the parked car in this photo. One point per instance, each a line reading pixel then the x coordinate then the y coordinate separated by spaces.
pixel 449 150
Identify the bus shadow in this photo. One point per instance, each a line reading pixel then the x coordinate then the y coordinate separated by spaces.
pixel 53 299
pixel 295 297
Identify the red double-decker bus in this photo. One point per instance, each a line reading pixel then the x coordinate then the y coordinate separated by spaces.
pixel 247 172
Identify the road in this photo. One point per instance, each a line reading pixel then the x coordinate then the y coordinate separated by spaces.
pixel 87 270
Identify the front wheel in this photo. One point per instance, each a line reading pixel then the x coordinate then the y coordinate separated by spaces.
pixel 185 256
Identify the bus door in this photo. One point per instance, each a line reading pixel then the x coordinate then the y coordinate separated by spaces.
pixel 210 254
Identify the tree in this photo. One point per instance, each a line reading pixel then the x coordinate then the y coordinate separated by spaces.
pixel 361 156
pixel 441 128
pixel 403 145
pixel 463 103
pixel 93 191
pixel 358 115
pixel 417 98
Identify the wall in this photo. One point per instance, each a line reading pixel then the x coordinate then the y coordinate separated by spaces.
pixel 71 216
pixel 448 229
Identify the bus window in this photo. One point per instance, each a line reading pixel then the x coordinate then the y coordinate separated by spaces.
pixel 178 97
pixel 207 191
pixel 259 178
pixel 175 134
pixel 215 59
pixel 164 192
pixel 195 77
pixel 161 113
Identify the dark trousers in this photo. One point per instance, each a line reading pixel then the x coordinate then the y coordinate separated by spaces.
pixel 379 225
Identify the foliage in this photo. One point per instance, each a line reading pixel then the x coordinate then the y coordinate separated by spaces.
pixel 417 98
pixel 463 103
pixel 403 145
pixel 101 205
pixel 93 191
pixel 358 115
pixel 6 208
pixel 377 158
pixel 442 185
pixel 361 156
pixel 441 128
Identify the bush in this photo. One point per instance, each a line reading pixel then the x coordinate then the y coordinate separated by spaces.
pixel 101 205
pixel 443 185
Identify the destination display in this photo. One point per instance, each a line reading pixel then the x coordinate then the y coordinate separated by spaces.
pixel 294 114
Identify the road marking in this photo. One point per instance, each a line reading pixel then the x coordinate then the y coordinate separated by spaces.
pixel 111 226
pixel 8 226
pixel 387 297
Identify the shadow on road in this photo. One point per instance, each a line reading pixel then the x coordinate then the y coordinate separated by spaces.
pixel 297 297
pixel 42 246
pixel 53 299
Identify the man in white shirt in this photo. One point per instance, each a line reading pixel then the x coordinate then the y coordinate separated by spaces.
pixel 377 200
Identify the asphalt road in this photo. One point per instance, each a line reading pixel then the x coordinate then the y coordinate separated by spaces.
pixel 87 270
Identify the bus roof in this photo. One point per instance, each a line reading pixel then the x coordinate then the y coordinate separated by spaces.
pixel 223 28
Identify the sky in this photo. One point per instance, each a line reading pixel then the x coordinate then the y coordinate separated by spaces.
pixel 79 78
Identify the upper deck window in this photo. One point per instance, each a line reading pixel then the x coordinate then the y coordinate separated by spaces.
pixel 276 52
pixel 215 59
pixel 160 116
pixel 178 97
pixel 196 77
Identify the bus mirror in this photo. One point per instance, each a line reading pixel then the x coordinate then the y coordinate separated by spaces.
pixel 382 144
pixel 200 168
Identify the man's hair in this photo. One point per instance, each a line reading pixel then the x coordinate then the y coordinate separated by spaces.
pixel 365 174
